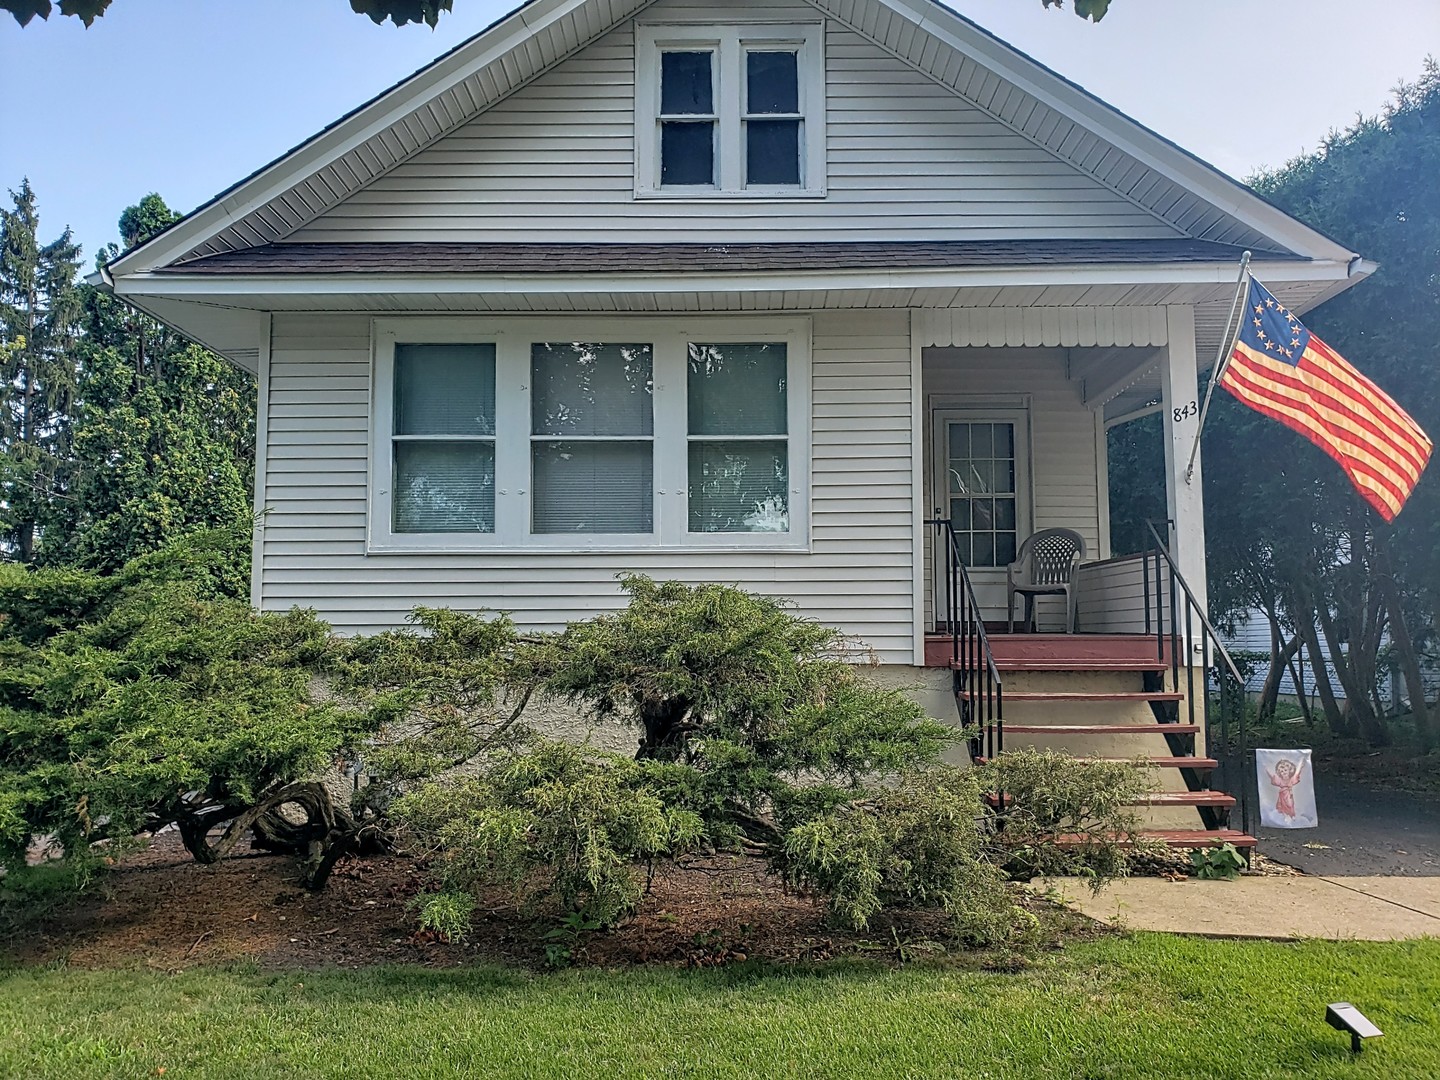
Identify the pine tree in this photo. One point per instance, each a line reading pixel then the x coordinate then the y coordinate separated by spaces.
pixel 39 314
pixel 164 437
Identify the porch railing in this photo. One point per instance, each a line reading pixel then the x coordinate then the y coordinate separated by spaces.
pixel 976 682
pixel 1182 628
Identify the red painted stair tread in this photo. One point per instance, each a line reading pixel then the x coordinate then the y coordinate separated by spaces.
pixel 1061 730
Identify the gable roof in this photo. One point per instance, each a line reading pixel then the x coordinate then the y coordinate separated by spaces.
pixel 1021 93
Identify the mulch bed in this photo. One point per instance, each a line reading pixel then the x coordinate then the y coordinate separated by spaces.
pixel 159 909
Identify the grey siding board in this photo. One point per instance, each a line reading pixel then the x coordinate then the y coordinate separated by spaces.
pixel 857 575
pixel 907 160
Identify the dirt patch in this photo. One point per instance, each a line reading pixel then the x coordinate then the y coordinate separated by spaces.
pixel 160 909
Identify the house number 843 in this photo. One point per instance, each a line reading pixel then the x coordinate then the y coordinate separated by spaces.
pixel 1184 412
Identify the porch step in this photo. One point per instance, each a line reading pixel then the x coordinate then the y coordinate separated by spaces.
pixel 1177 838
pixel 1186 798
pixel 1102 729
pixel 1082 665
pixel 1199 764
pixel 1093 695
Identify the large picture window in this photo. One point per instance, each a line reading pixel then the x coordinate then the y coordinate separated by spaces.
pixel 590 433
pixel 730 110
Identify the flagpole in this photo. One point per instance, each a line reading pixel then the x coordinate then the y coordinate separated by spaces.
pixel 1227 346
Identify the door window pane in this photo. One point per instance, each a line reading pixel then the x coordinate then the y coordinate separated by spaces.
pixel 444 487
pixel 739 487
pixel 686 85
pixel 593 487
pixel 444 389
pixel 981 475
pixel 772 82
pixel 772 149
pixel 687 152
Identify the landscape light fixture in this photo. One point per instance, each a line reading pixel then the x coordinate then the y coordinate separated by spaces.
pixel 1343 1016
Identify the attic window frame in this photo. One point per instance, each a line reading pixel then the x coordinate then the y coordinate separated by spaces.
pixel 729 44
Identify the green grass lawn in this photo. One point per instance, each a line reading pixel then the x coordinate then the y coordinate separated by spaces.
pixel 1150 1005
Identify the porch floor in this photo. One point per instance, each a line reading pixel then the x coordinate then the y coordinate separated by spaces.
pixel 1059 652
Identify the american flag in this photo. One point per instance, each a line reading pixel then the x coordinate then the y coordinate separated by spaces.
pixel 1282 370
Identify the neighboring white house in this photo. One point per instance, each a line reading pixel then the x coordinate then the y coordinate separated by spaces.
pixel 742 293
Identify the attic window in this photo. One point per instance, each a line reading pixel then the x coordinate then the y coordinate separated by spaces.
pixel 729 111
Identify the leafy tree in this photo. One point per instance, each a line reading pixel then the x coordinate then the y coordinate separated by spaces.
pixel 399 12
pixel 1331 561
pixel 39 316
pixel 163 430
pixel 1287 534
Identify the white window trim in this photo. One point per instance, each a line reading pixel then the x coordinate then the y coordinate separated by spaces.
pixel 512 339
pixel 729 43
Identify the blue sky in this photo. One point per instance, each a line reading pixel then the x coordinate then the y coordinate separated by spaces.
pixel 185 97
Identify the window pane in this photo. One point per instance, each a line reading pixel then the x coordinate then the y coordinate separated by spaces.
pixel 981 442
pixel 1005 514
pixel 984 553
pixel 588 389
pixel 1004 440
pixel 772 152
pixel 1004 548
pixel 739 487
pixel 444 487
pixel 772 82
pixel 593 487
pixel 444 389
pixel 687 153
pixel 959 440
pixel 978 476
pixel 685 84
pixel 737 389
pixel 984 513
pixel 960 514
pixel 1004 476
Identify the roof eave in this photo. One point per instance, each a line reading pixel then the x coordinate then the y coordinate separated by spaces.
pixel 355 128
pixel 1129 135
pixel 237 286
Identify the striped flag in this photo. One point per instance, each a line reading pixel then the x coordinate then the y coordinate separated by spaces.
pixel 1279 368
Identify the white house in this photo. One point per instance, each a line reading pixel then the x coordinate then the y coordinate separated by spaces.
pixel 742 293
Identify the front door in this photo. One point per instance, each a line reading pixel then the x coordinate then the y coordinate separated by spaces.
pixel 983 484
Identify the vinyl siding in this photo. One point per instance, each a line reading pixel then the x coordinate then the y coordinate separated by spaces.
pixel 1114 595
pixel 857 576
pixel 907 159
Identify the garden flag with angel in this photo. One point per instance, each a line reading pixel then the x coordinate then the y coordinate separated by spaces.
pixel 1279 368
pixel 1287 789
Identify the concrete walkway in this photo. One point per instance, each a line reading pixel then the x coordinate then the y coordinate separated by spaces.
pixel 1338 908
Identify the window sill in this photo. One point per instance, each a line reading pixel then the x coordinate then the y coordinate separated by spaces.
pixel 703 197
pixel 608 548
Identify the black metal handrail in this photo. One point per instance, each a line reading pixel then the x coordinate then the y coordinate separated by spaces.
pixel 979 694
pixel 1188 631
